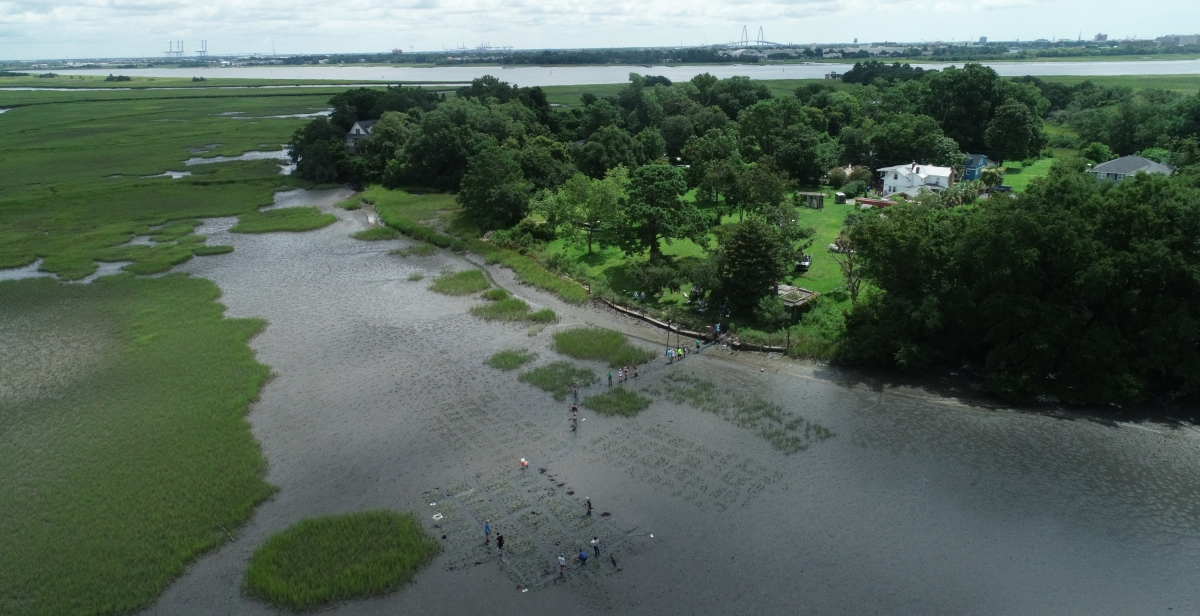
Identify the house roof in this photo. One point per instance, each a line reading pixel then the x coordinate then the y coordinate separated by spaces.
pixel 1128 165
pixel 921 170
pixel 977 160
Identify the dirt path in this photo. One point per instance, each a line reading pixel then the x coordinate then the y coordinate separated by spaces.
pixel 917 505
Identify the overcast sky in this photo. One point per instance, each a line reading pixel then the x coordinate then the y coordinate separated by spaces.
pixel 114 28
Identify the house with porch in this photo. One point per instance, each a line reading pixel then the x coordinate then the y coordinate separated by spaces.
pixel 910 179
pixel 360 130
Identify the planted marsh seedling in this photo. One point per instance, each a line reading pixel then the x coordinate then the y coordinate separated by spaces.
pixel 511 359
pixel 558 377
pixel 415 276
pixel 619 401
pixel 465 282
pixel 321 560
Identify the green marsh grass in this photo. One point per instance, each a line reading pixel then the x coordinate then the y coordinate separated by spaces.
pixel 352 203
pixel 617 401
pixel 785 430
pixel 375 234
pixel 293 219
pixel 318 561
pixel 113 480
pixel 419 250
pixel 416 276
pixel 206 251
pixel 511 359
pixel 558 377
pixel 465 282
pixel 601 344
pixel 503 307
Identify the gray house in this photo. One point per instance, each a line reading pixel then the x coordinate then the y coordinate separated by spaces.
pixel 360 130
pixel 1116 170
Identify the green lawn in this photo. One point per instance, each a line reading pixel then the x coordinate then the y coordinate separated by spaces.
pixel 1019 176
pixel 130 457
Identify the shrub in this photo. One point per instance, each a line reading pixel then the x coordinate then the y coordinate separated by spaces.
pixel 837 177
pixel 618 401
pixel 321 560
pixel 856 188
pixel 511 359
pixel 602 344
pixel 465 282
pixel 558 377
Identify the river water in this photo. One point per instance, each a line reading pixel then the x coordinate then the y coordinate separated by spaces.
pixel 581 75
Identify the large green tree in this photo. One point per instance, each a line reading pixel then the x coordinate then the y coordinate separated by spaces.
pixel 494 192
pixel 752 258
pixel 654 212
pixel 1014 133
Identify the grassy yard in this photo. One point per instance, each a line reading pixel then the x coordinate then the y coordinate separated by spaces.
pixel 123 449
pixel 322 560
pixel 1019 176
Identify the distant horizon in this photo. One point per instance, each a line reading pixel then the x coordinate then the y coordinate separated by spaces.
pixel 498 50
pixel 67 29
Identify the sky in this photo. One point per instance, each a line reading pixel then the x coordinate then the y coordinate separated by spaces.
pixel 49 29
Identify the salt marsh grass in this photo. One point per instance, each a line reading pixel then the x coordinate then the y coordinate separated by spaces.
pixel 376 233
pixel 416 276
pixel 321 560
pixel 465 282
pixel 618 401
pixel 558 377
pixel 602 344
pixel 293 219
pixel 511 359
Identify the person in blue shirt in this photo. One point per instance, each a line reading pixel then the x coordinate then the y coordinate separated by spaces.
pixel 487 532
pixel 582 557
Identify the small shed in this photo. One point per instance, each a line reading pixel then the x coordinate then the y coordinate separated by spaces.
pixel 839 197
pixel 814 200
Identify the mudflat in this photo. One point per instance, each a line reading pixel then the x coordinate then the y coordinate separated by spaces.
pixel 916 504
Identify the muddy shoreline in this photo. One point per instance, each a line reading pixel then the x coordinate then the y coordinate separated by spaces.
pixel 920 504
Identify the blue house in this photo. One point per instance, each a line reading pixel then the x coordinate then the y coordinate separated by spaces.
pixel 976 163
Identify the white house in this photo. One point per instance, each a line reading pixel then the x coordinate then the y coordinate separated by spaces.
pixel 912 177
pixel 360 130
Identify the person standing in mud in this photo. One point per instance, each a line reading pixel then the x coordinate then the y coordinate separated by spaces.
pixel 487 532
pixel 588 501
pixel 500 545
pixel 610 378
pixel 596 545
pixel 562 564
pixel 575 390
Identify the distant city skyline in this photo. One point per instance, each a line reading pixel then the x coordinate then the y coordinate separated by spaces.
pixel 51 29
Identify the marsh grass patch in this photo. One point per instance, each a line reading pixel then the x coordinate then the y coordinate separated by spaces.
pixel 420 250
pixel 375 234
pixel 416 276
pixel 601 344
pixel 786 431
pixel 558 377
pixel 321 560
pixel 511 359
pixel 352 203
pixel 512 309
pixel 293 219
pixel 618 401
pixel 208 251
pixel 465 282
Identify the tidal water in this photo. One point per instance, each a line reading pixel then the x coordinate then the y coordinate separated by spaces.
pixel 580 75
